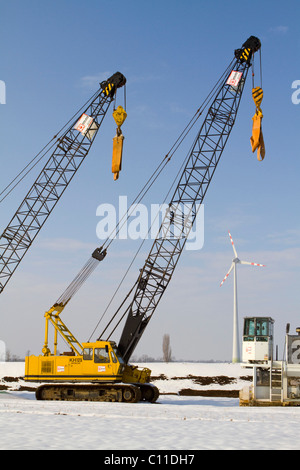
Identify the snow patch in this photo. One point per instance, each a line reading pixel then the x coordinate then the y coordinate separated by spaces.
pixel 173 423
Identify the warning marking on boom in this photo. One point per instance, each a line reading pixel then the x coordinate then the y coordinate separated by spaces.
pixel 234 78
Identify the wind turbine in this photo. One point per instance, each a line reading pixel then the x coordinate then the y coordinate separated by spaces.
pixel 235 262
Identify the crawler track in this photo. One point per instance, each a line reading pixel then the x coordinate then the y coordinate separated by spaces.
pixel 128 393
pixel 149 392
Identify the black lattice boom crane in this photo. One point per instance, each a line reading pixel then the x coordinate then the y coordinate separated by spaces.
pixel 189 193
pixel 104 362
pixel 71 149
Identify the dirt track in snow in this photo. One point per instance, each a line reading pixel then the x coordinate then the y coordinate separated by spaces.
pixel 17 383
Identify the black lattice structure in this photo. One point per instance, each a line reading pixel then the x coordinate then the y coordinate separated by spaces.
pixel 180 216
pixel 71 150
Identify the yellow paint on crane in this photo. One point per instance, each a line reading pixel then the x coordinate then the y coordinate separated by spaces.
pixel 257 139
pixel 119 116
pixel 116 165
pixel 245 54
pixel 257 94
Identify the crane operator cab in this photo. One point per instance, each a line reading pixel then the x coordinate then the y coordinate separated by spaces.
pixel 257 339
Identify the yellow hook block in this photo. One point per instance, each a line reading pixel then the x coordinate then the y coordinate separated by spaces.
pixel 257 95
pixel 119 116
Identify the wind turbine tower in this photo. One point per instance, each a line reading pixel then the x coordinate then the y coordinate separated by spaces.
pixel 235 262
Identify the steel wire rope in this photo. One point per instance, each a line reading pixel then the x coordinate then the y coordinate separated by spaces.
pixel 90 266
pixel 148 185
pixel 92 263
pixel 175 179
pixel 177 143
pixel 75 285
pixel 56 136
pixel 129 267
pixel 167 157
pixel 260 69
pixel 260 63
pixel 125 275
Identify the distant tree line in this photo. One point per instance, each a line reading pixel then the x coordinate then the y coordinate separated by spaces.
pixel 145 358
pixel 166 357
pixel 9 357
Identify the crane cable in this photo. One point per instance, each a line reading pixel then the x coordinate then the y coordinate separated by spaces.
pixel 93 261
pixel 165 160
pixel 175 146
pixel 129 267
pixel 36 159
pixel 100 253
pixel 127 271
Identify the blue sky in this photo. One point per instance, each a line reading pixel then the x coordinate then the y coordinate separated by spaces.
pixel 53 56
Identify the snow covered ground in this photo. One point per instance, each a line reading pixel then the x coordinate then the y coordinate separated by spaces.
pixel 174 423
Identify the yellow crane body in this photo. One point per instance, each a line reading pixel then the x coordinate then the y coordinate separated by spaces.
pixel 97 374
pixel 97 363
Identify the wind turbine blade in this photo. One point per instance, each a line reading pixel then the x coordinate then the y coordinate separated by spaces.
pixel 253 264
pixel 234 250
pixel 231 268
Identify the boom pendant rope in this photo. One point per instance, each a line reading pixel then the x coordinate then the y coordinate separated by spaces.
pixel 29 167
pixel 188 128
pixel 99 371
pixel 191 190
pixel 100 253
pixel 153 178
pixel 97 256
pixel 210 97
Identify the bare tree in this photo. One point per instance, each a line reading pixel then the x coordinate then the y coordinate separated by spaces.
pixel 167 351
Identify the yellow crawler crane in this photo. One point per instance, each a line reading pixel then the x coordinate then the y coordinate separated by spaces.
pixel 93 371
pixel 97 373
pixel 100 370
